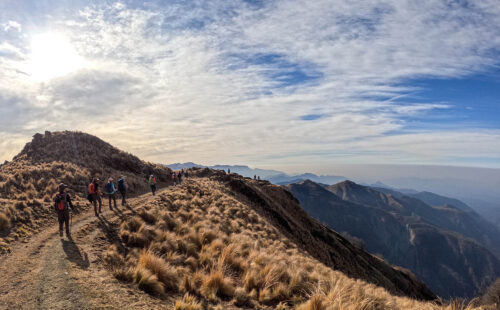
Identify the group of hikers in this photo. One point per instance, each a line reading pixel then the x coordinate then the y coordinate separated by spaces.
pixel 62 200
pixel 94 194
pixel 177 177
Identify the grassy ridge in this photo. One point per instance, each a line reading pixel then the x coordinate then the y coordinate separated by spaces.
pixel 211 250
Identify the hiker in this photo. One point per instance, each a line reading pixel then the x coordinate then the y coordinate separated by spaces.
pixel 61 202
pixel 122 188
pixel 173 178
pixel 255 177
pixel 152 183
pixel 186 174
pixel 111 192
pixel 179 177
pixel 258 178
pixel 228 171
pixel 95 195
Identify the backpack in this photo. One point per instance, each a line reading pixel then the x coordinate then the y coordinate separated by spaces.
pixel 61 202
pixel 91 188
pixel 121 185
pixel 109 187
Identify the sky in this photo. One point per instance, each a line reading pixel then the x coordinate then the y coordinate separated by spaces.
pixel 283 84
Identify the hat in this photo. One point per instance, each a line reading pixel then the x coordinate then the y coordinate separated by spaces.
pixel 110 179
pixel 62 186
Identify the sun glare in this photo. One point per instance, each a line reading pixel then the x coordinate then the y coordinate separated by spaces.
pixel 52 55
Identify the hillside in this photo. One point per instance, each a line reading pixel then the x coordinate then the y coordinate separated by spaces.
pixel 29 182
pixel 216 241
pixel 444 212
pixel 406 232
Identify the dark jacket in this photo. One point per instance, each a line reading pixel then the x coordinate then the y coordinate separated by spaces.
pixel 122 187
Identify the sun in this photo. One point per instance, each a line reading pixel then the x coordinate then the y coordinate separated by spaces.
pixel 52 55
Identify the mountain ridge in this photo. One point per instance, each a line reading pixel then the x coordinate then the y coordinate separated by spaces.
pixel 392 227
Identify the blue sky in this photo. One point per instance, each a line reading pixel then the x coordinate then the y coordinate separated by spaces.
pixel 268 83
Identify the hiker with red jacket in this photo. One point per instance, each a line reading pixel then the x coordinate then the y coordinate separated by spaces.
pixel 61 203
pixel 111 192
pixel 95 195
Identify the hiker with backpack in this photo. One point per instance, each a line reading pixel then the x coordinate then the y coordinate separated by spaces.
pixel 122 188
pixel 62 201
pixel 173 178
pixel 179 177
pixel 111 192
pixel 152 183
pixel 94 195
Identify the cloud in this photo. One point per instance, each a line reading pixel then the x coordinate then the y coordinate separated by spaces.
pixel 229 81
pixel 12 25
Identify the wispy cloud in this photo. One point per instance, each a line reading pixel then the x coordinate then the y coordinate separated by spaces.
pixel 256 82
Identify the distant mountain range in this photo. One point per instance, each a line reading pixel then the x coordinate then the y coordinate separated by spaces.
pixel 487 207
pixel 273 176
pixel 438 238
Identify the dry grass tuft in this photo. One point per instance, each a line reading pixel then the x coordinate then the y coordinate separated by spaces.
pixel 188 302
pixel 316 303
pixel 165 273
pixel 148 282
pixel 113 258
pixel 147 216
pixel 241 298
pixel 216 285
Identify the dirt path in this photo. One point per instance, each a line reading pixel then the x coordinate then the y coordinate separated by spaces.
pixel 50 272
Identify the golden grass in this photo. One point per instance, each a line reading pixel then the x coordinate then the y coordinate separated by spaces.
pixel 148 281
pixel 216 285
pixel 165 273
pixel 205 243
pixel 188 302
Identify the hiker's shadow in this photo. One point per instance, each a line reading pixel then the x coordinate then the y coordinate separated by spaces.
pixel 74 254
pixel 109 229
pixel 130 208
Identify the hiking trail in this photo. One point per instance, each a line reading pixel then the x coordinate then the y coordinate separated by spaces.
pixel 52 272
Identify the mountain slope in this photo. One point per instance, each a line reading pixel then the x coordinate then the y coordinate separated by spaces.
pixel 449 217
pixel 452 214
pixel 407 232
pixel 29 181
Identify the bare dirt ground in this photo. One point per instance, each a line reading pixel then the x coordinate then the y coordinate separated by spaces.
pixel 50 272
